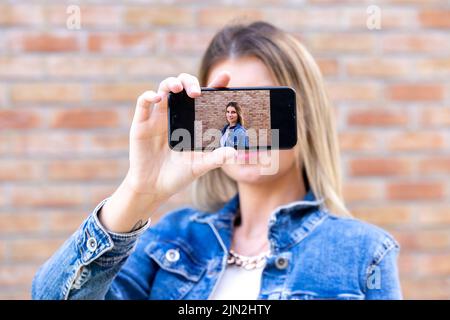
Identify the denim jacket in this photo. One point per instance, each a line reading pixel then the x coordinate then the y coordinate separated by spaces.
pixel 314 255
pixel 237 138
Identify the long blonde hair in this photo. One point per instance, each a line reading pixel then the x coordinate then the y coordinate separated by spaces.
pixel 291 65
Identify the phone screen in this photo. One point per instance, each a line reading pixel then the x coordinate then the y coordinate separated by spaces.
pixel 238 119
pixel 247 118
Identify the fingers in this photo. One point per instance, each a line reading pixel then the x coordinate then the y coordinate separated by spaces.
pixel 221 80
pixel 171 84
pixel 175 85
pixel 143 105
pixel 214 159
pixel 190 84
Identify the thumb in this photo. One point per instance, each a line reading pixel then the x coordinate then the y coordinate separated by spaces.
pixel 221 80
pixel 214 159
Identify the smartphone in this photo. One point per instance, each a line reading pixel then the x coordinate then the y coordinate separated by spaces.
pixel 248 118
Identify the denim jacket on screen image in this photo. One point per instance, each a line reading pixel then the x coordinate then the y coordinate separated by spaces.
pixel 314 255
pixel 237 137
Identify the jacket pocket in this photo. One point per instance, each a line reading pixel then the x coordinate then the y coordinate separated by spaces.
pixel 179 269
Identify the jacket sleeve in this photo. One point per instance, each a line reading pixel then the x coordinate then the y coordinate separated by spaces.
pixel 241 139
pixel 382 278
pixel 87 266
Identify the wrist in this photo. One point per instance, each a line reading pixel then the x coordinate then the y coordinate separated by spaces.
pixel 126 210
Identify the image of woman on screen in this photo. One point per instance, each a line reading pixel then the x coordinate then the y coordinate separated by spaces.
pixel 234 133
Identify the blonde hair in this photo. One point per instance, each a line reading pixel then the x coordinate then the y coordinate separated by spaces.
pixel 291 65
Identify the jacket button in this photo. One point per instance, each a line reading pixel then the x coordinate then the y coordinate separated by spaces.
pixel 281 263
pixel 172 255
pixel 92 244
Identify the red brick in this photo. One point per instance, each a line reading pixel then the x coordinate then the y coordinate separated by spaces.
pixel 415 191
pixel 187 42
pixel 419 241
pixel 87 170
pixel 435 18
pixel 70 67
pixel 436 264
pixel 435 165
pixel 43 42
pixel 379 68
pixel 85 118
pixel 340 43
pixel 380 167
pixel 108 143
pixel 358 141
pixel 19 119
pixel 21 67
pixel 90 15
pixel 65 222
pixel 163 66
pixel 220 16
pixel 384 215
pixel 377 117
pixel 391 18
pixel 34 250
pixel 21 223
pixel 406 263
pixel 425 288
pixel 435 116
pixel 415 92
pixel 48 144
pixel 46 92
pixel 434 215
pixel 47 196
pixel 360 191
pixel 21 15
pixel 305 18
pixel 416 141
pixel 2 251
pixel 159 16
pixel 415 43
pixel 17 275
pixel 120 92
pixel 99 192
pixel 329 67
pixel 353 91
pixel 116 42
pixel 433 67
pixel 20 170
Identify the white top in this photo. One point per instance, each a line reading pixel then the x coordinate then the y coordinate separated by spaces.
pixel 237 283
pixel 224 137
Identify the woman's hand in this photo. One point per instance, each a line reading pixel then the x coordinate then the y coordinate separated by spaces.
pixel 156 172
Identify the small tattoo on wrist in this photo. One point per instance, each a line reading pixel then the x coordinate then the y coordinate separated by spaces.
pixel 137 226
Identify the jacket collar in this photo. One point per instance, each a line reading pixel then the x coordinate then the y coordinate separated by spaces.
pixel 288 224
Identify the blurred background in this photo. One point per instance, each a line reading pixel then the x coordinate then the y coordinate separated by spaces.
pixel 68 90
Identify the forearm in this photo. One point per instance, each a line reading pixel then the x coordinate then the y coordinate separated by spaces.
pixel 86 264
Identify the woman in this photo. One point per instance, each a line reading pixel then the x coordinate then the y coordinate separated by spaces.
pixel 234 133
pixel 282 236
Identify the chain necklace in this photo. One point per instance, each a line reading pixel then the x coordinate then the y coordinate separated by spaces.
pixel 248 263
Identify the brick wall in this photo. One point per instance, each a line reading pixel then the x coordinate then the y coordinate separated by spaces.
pixel 255 107
pixel 67 96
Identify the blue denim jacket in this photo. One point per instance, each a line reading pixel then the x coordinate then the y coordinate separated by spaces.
pixel 237 138
pixel 314 255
